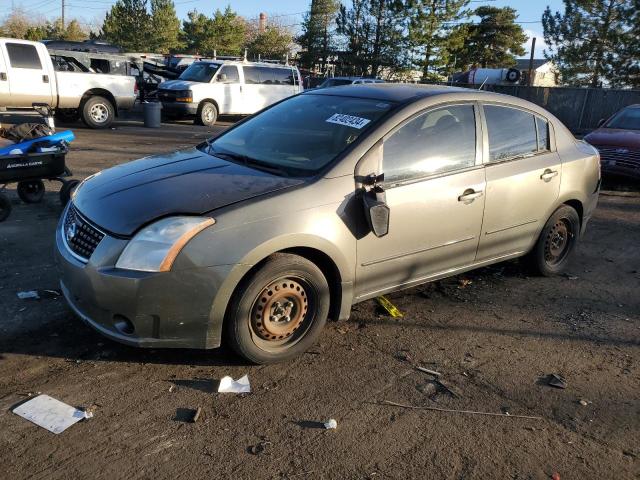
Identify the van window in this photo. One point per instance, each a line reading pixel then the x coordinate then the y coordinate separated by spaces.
pixel 512 132
pixel 200 72
pixel 438 141
pixel 251 75
pixel 231 72
pixel 23 56
pixel 283 76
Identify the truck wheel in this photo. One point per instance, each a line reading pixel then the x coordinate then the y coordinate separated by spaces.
pixel 556 242
pixel 98 112
pixel 5 207
pixel 279 311
pixel 66 190
pixel 207 114
pixel 31 191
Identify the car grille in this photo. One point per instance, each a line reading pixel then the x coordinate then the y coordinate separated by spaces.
pixel 80 237
pixel 619 157
pixel 167 95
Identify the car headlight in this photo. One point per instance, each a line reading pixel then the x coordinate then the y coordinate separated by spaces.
pixel 154 248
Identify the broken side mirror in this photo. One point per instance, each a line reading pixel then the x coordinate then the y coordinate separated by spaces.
pixel 376 209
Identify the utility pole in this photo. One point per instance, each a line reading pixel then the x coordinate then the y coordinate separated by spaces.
pixel 62 14
pixel 533 49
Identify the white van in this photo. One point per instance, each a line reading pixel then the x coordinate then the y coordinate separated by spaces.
pixel 212 87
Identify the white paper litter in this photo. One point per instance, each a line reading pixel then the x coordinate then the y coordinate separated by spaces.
pixel 51 414
pixel 331 424
pixel 28 294
pixel 229 385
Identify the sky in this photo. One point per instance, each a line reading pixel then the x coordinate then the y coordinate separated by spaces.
pixel 289 12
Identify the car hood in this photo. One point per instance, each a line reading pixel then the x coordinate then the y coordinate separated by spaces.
pixel 176 85
pixel 122 199
pixel 614 137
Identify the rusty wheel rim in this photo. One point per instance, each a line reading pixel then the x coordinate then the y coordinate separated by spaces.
pixel 281 311
pixel 557 242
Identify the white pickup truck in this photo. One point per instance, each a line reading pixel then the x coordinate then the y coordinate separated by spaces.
pixel 27 76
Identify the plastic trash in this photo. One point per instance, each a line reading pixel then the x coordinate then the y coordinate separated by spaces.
pixel 50 414
pixel 331 424
pixel 229 385
pixel 28 294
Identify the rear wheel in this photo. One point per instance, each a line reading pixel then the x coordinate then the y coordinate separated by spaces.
pixel 279 311
pixel 5 207
pixel 31 191
pixel 98 112
pixel 556 242
pixel 207 114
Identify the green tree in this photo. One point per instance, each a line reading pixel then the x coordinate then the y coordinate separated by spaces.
pixel 223 34
pixel 15 25
pixel 195 31
pixel 74 32
pixel 128 24
pixel 593 41
pixel 493 42
pixel 273 43
pixel 318 33
pixel 431 35
pixel 165 26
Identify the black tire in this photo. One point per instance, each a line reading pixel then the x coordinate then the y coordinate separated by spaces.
pixel 207 114
pixel 5 207
pixel 98 112
pixel 556 243
pixel 66 190
pixel 278 311
pixel 31 191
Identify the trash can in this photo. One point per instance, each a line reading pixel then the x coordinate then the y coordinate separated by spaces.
pixel 152 117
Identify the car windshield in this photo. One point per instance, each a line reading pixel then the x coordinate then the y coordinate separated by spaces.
pixel 335 82
pixel 200 72
pixel 627 119
pixel 301 135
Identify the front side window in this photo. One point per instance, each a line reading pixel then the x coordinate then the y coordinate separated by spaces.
pixel 512 132
pixel 201 72
pixel 438 141
pixel 23 56
pixel 301 135
pixel 230 74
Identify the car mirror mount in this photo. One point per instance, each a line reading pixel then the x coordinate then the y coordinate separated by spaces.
pixel 375 205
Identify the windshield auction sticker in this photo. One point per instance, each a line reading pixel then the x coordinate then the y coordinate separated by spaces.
pixel 348 120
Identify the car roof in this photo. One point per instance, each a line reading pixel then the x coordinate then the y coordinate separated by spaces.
pixel 245 63
pixel 394 92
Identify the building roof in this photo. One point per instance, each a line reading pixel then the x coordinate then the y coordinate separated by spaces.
pixel 523 63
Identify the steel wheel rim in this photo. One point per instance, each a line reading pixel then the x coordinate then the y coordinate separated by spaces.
pixel 557 242
pixel 99 113
pixel 282 312
pixel 208 114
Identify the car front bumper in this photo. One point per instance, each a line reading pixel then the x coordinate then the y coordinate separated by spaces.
pixel 179 108
pixel 162 309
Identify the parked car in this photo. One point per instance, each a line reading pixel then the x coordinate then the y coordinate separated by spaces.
pixel 208 88
pixel 28 76
pixel 321 201
pixel 339 81
pixel 618 141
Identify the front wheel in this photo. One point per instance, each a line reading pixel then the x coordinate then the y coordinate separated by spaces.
pixel 98 112
pixel 556 242
pixel 31 191
pixel 279 311
pixel 207 114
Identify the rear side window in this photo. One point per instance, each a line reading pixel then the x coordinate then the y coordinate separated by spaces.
pixel 231 73
pixel 251 75
pixel 543 135
pixel 283 76
pixel 438 141
pixel 512 132
pixel 23 56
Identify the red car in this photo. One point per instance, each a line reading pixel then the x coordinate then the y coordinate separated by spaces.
pixel 618 141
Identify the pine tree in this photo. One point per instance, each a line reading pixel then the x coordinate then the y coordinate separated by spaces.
pixel 317 39
pixel 195 30
pixel 493 42
pixel 165 27
pixel 273 43
pixel 593 41
pixel 128 24
pixel 224 34
pixel 431 35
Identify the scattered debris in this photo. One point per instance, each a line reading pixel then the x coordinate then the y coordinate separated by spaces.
pixel 506 410
pixel 464 282
pixel 389 307
pixel 28 294
pixel 51 414
pixel 584 402
pixel 172 388
pixel 557 381
pixel 447 389
pixel 555 476
pixel 450 410
pixel 197 415
pixel 428 388
pixel 38 294
pixel 229 385
pixel 331 424
pixel 430 372
pixel 258 448
pixel 571 277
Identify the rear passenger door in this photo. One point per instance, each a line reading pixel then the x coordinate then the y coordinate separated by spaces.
pixel 29 80
pixel 523 179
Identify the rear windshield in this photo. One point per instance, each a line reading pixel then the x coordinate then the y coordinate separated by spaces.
pixel 303 134
pixel 200 72
pixel 627 119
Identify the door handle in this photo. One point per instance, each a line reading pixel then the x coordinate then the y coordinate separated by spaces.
pixel 45 78
pixel 548 175
pixel 469 195
pixel 3 76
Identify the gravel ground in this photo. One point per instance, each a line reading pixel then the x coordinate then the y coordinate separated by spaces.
pixel 495 335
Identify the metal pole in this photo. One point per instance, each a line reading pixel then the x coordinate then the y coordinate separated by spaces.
pixel 62 14
pixel 533 49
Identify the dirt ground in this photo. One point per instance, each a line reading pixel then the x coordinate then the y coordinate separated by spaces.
pixel 494 334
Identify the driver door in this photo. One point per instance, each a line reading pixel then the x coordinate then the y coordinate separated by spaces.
pixel 229 80
pixel 434 184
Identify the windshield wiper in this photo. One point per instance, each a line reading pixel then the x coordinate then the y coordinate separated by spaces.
pixel 248 161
